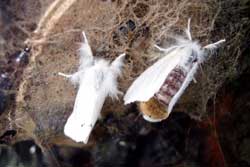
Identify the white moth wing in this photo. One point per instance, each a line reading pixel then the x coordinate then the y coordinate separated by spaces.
pixel 184 85
pixel 88 104
pixel 190 68
pixel 150 81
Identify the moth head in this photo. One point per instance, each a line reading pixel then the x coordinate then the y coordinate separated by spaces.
pixel 193 58
pixel 190 55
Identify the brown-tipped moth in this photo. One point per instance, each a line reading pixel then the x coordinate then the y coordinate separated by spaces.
pixel 97 79
pixel 160 86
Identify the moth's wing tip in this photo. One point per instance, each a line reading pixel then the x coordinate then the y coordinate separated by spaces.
pixel 77 138
pixel 126 101
pixel 80 135
pixel 81 141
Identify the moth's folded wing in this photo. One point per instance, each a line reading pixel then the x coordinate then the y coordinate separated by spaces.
pixel 150 81
pixel 76 133
pixel 88 104
pixel 183 87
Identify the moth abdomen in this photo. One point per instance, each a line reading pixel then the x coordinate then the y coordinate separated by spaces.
pixel 153 109
pixel 171 85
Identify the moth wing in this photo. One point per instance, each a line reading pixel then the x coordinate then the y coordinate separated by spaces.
pixel 150 81
pixel 87 107
pixel 184 85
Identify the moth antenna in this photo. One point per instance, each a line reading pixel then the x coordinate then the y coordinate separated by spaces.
pixel 86 55
pixel 111 77
pixel 64 75
pixel 210 48
pixel 117 64
pixel 166 50
pixel 159 48
pixel 74 78
pixel 188 30
pixel 85 40
pixel 214 45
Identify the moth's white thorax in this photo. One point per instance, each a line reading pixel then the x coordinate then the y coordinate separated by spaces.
pixel 190 52
pixel 104 75
pixel 98 65
pixel 101 64
pixel 99 68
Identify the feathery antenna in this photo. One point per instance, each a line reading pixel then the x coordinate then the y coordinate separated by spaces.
pixel 188 30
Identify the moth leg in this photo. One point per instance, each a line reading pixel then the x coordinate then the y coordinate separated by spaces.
pixel 166 50
pixel 65 75
pixel 214 45
pixel 159 48
pixel 74 78
pixel 116 67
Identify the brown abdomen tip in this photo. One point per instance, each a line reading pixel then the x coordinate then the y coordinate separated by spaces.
pixel 154 109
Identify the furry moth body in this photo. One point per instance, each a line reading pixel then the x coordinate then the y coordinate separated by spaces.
pixel 97 79
pixel 160 86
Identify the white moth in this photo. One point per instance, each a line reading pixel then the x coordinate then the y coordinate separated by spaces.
pixel 166 80
pixel 97 79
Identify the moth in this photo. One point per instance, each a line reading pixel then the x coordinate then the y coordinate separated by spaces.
pixel 97 79
pixel 160 86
